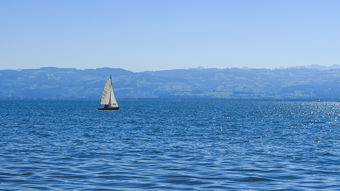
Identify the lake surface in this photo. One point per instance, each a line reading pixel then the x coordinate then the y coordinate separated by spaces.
pixel 170 145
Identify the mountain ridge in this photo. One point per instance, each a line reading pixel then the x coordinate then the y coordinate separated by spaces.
pixel 306 83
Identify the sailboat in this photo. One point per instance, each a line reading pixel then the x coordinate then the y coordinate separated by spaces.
pixel 108 97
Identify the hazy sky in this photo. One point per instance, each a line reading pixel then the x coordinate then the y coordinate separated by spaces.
pixel 165 34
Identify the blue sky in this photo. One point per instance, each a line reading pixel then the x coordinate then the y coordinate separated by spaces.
pixel 141 35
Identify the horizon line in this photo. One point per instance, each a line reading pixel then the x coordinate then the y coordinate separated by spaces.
pixel 199 67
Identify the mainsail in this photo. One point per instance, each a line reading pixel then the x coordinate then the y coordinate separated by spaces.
pixel 108 96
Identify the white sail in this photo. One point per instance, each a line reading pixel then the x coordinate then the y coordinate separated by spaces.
pixel 113 102
pixel 106 95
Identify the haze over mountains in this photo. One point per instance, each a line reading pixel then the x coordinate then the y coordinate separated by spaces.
pixel 301 83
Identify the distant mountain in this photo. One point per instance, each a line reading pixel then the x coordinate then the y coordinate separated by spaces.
pixel 320 67
pixel 233 83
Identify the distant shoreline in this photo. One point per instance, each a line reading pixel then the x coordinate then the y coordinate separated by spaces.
pixel 292 84
pixel 313 66
pixel 172 99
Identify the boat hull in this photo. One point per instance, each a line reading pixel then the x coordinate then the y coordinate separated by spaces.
pixel 109 109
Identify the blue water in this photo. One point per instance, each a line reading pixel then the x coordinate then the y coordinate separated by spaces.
pixel 170 145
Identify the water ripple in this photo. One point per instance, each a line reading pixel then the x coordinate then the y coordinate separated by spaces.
pixel 170 145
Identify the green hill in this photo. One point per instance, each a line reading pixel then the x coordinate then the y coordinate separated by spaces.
pixel 232 83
